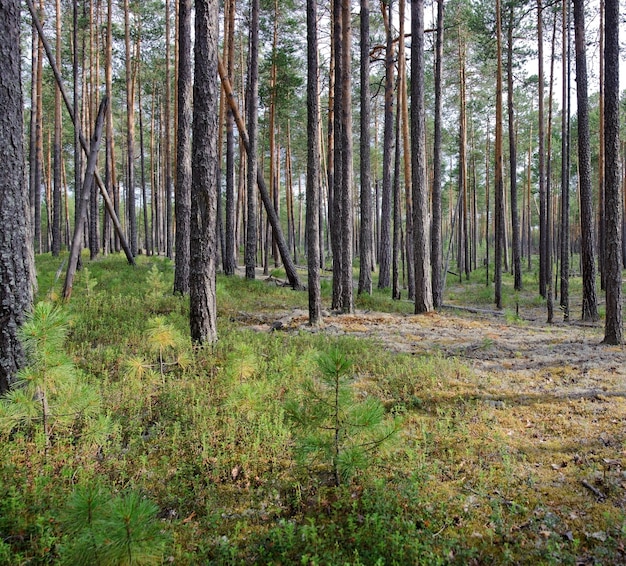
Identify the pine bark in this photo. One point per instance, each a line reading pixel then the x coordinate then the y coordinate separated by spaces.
pixel 183 150
pixel 421 219
pixel 202 293
pixel 384 252
pixel 16 258
pixel 588 259
pixel 498 178
pixel 366 229
pixel 252 109
pixel 612 181
pixel 436 236
pixel 313 168
pixel 516 243
pixel 130 136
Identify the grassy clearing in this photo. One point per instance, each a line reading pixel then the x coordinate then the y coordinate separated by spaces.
pixel 480 471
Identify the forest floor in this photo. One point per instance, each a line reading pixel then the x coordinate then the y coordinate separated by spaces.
pixel 564 360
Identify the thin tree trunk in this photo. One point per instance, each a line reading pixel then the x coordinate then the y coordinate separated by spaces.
pixel 56 194
pixel 384 252
pixel 83 206
pixel 252 115
pixel 229 264
pixel 169 228
pixel 130 135
pixel 183 150
pixel 498 180
pixel 436 240
pixel 517 248
pixel 565 162
pixel 365 250
pixel 403 109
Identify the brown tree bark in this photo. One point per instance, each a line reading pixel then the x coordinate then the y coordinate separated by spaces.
pixel 613 200
pixel 588 254
pixel 421 220
pixel 366 228
pixel 313 168
pixel 252 121
pixel 17 269
pixel 183 150
pixel 202 293
pixel 498 179
pixel 436 237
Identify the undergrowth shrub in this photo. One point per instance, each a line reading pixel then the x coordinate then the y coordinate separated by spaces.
pixel 104 530
pixel 331 426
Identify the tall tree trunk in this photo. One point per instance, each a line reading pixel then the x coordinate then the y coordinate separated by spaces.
pixel 436 239
pixel 517 247
pixel 17 269
pixel 613 200
pixel 421 220
pixel 463 248
pixel 39 141
pixel 549 207
pixel 334 195
pixel 94 65
pixel 588 255
pixel 565 163
pixel 541 150
pixel 384 252
pixel 183 150
pixel 202 293
pixel 498 179
pixel 601 147
pixel 169 228
pixel 313 168
pixel 130 135
pixel 78 153
pixel 252 108
pixel 346 220
pixel 403 109
pixel 365 236
pixel 58 154
pixel 229 264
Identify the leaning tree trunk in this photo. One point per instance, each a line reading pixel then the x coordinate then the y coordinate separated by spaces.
pixel 202 293
pixel 16 258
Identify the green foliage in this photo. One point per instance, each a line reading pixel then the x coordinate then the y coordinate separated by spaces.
pixel 118 531
pixel 331 426
pixel 51 391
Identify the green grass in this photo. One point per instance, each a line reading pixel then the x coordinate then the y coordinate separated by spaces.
pixel 202 434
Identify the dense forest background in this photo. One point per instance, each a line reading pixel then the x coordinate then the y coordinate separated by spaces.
pixel 129 51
